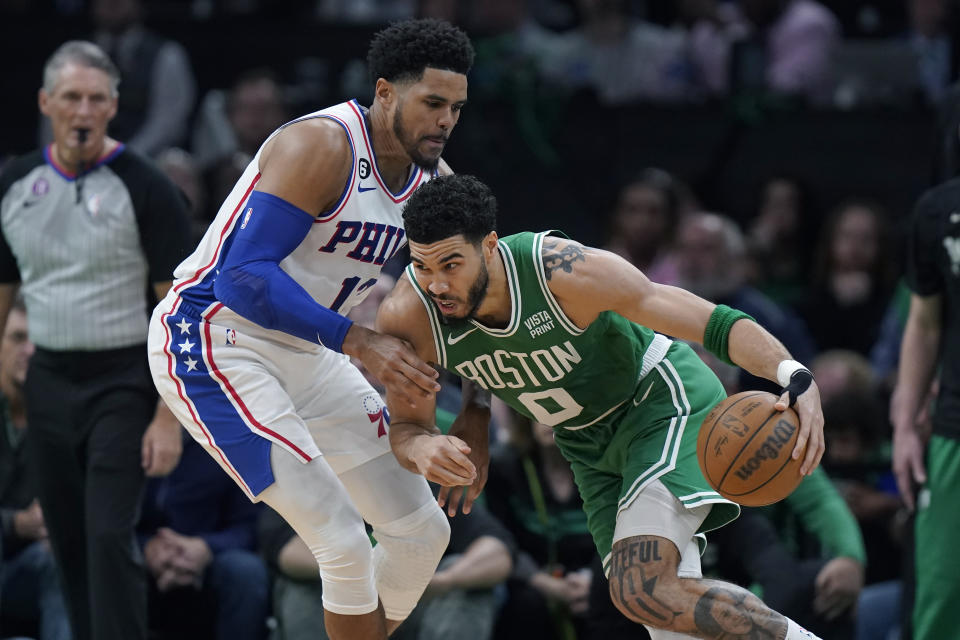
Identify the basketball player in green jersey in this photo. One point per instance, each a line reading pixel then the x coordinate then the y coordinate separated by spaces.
pixel 575 338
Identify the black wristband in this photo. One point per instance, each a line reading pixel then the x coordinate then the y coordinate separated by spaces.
pixel 799 383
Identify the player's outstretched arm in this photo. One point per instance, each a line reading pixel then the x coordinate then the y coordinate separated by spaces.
pixel 588 281
pixel 414 438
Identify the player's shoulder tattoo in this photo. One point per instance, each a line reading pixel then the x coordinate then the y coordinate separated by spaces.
pixel 559 254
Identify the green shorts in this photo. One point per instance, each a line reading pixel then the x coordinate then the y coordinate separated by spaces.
pixel 652 436
pixel 935 611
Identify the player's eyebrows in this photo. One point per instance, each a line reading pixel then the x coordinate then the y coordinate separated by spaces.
pixel 438 98
pixel 441 260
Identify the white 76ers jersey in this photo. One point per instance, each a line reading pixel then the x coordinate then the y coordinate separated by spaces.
pixel 341 257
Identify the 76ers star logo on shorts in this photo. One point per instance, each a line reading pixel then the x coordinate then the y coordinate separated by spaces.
pixel 377 413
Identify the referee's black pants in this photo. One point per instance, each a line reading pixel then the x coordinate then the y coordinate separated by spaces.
pixel 86 415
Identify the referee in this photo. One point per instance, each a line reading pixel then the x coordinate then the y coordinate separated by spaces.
pixel 86 225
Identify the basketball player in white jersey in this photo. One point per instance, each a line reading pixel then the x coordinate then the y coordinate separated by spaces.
pixel 250 348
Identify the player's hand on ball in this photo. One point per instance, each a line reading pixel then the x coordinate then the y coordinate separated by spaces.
pixel 444 460
pixel 807 406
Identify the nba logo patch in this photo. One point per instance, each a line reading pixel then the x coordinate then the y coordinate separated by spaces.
pixel 231 336
pixel 246 218
pixel 93 205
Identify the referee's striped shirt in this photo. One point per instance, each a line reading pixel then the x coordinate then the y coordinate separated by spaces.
pixel 86 250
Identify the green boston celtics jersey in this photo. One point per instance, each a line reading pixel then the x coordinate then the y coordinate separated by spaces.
pixel 542 364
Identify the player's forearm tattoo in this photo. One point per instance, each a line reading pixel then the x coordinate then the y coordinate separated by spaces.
pixel 729 611
pixel 556 257
pixel 633 583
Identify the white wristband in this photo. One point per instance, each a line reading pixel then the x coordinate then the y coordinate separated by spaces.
pixel 786 369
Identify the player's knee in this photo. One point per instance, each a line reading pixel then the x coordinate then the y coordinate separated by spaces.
pixel 426 528
pixel 407 554
pixel 646 593
pixel 645 600
pixel 350 552
pixel 346 570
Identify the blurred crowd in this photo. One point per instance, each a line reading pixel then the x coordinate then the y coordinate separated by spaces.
pixel 824 277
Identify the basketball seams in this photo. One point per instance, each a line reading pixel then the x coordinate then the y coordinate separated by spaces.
pixel 764 483
pixel 746 444
pixel 716 423
pixel 764 478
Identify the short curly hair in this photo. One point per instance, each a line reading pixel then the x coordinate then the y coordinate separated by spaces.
pixel 448 206
pixel 404 49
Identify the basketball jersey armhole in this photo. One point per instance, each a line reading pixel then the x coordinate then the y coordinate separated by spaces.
pixel 331 213
pixel 555 307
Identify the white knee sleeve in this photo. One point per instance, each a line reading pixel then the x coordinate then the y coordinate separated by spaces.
pixel 346 561
pixel 407 553
pixel 311 498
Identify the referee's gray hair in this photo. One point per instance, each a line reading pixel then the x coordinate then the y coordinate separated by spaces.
pixel 83 53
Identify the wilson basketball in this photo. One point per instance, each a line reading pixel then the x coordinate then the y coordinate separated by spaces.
pixel 745 447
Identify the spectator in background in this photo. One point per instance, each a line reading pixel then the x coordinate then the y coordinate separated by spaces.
pixel 948 149
pixel 853 279
pixel 158 90
pixel 885 352
pixel 778 46
pixel 198 533
pixel 842 371
pixel 531 490
pixel 858 457
pixel 363 11
pixel 712 28
pixel 88 226
pixel 779 238
pixel 30 591
pixel 858 460
pixel 233 127
pixel 860 466
pixel 932 35
pixel 644 223
pixel 711 262
pixel 620 58
pixel 511 50
pixel 925 462
pixel 180 167
pixel 450 10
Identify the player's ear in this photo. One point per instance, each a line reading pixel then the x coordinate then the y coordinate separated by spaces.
pixel 489 244
pixel 384 91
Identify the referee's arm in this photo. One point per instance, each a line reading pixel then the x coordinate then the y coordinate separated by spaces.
pixel 9 280
pixel 8 292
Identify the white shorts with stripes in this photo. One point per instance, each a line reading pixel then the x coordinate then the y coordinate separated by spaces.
pixel 237 391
